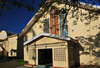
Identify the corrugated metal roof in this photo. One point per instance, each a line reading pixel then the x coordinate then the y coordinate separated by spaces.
pixel 66 38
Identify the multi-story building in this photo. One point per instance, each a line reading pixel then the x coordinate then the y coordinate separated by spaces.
pixel 48 42
pixel 9 44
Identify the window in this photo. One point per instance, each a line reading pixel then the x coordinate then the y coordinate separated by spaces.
pixel 59 54
pixel 11 51
pixel 27 48
pixel 25 38
pixel 63 29
pixel 1 45
pixel 4 43
pixel 12 41
pixel 46 25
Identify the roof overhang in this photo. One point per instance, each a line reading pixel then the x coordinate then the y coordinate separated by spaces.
pixel 13 35
pixel 35 18
pixel 66 38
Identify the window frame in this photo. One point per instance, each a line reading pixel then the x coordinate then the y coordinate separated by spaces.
pixel 61 24
pixel 46 29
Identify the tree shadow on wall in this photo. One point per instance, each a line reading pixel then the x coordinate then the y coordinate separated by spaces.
pixel 34 52
pixel 33 32
pixel 91 47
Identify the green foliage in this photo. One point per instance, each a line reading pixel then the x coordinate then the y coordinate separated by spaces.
pixel 20 62
pixel 7 7
pixel 6 4
pixel 5 58
pixel 30 7
pixel 0 2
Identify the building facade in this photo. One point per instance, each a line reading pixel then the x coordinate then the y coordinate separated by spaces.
pixel 83 26
pixel 8 44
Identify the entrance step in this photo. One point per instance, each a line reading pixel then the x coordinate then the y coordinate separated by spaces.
pixel 30 66
pixel 43 66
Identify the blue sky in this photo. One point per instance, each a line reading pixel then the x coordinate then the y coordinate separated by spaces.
pixel 96 2
pixel 16 19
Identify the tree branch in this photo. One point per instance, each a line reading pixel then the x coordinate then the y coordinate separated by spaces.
pixel 2 7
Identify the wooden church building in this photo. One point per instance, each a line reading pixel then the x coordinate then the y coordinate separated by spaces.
pixel 48 43
pixel 51 50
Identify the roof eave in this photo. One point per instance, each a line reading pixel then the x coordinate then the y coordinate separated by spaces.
pixel 49 35
pixel 34 19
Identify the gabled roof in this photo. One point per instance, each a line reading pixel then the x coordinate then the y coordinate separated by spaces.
pixel 6 34
pixel 66 38
pixel 35 18
pixel 42 11
pixel 10 33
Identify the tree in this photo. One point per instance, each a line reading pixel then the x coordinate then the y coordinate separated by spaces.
pixel 6 4
pixel 93 14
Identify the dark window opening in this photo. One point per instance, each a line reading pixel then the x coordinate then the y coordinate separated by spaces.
pixel 11 51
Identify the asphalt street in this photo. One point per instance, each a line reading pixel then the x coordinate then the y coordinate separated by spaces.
pixel 25 67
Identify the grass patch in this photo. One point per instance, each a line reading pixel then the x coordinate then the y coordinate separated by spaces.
pixel 20 62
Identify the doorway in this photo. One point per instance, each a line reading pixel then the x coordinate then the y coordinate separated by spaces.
pixel 45 57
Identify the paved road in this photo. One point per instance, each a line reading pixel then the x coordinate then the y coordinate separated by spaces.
pixel 25 67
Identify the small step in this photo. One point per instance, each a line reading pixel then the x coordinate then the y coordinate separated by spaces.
pixel 43 66
pixel 30 66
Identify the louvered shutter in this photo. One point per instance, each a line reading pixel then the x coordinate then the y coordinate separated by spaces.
pixel 62 16
pixel 46 25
